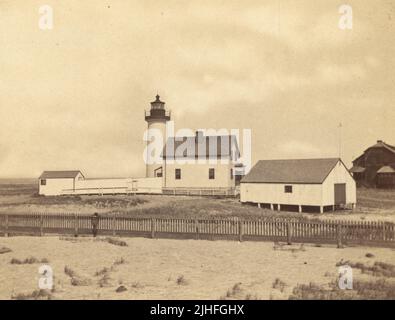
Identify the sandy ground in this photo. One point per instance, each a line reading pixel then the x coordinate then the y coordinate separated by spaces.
pixel 152 267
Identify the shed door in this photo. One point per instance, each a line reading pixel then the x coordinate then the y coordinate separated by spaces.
pixel 340 193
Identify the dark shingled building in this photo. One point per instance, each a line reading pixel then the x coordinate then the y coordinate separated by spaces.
pixel 376 166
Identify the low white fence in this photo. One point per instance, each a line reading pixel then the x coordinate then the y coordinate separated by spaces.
pixel 116 186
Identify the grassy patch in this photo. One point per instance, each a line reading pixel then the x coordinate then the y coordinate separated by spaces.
pixel 75 279
pixel 5 250
pixel 238 293
pixel 119 261
pixel 70 272
pixel 79 281
pixel 121 288
pixel 10 189
pixel 234 291
pixel 114 202
pixel 30 260
pixel 105 280
pixel 278 284
pixel 181 281
pixel 378 269
pixel 362 290
pixel 137 285
pixel 35 295
pixel 102 272
pixel 115 242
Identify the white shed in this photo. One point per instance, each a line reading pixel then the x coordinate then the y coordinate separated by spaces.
pixel 304 184
pixel 53 183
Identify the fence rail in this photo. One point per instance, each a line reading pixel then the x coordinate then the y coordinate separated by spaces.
pixel 266 229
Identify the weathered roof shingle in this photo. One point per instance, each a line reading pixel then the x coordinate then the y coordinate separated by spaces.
pixel 309 171
pixel 59 174
pixel 386 169
pixel 205 147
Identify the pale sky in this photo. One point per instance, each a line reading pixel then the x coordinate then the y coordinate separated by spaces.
pixel 73 97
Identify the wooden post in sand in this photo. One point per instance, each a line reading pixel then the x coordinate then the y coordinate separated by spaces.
pixel 339 235
pixel 241 225
pixel 41 225
pixel 289 233
pixel 113 225
pixel 6 226
pixel 153 228
pixel 197 229
pixel 75 224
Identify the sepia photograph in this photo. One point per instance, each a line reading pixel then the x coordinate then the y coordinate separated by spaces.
pixel 218 151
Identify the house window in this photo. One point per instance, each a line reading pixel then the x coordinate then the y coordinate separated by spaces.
pixel 231 174
pixel 288 189
pixel 211 173
pixel 178 174
pixel 43 182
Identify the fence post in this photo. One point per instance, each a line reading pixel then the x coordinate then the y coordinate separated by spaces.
pixel 113 225
pixel 339 235
pixel 75 225
pixel 153 227
pixel 241 224
pixel 41 225
pixel 289 233
pixel 6 226
pixel 197 229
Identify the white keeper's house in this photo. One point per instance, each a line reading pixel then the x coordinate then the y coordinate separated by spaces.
pixel 205 166
pixel 303 185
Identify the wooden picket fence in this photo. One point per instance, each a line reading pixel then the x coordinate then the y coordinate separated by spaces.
pixel 265 229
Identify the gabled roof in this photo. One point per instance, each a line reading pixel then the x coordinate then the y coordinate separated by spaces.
pixel 308 171
pixel 382 144
pixel 386 169
pixel 202 147
pixel 60 174
pixel 379 144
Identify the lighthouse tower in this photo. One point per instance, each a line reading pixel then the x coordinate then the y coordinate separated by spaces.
pixel 156 118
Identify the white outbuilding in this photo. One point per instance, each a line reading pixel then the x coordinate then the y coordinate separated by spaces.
pixel 303 184
pixel 53 183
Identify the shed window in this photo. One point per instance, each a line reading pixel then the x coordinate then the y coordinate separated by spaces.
pixel 178 174
pixel 288 189
pixel 43 182
pixel 211 173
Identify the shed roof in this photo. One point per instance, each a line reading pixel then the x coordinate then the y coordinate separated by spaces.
pixel 60 174
pixel 304 171
pixel 386 169
pixel 357 169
